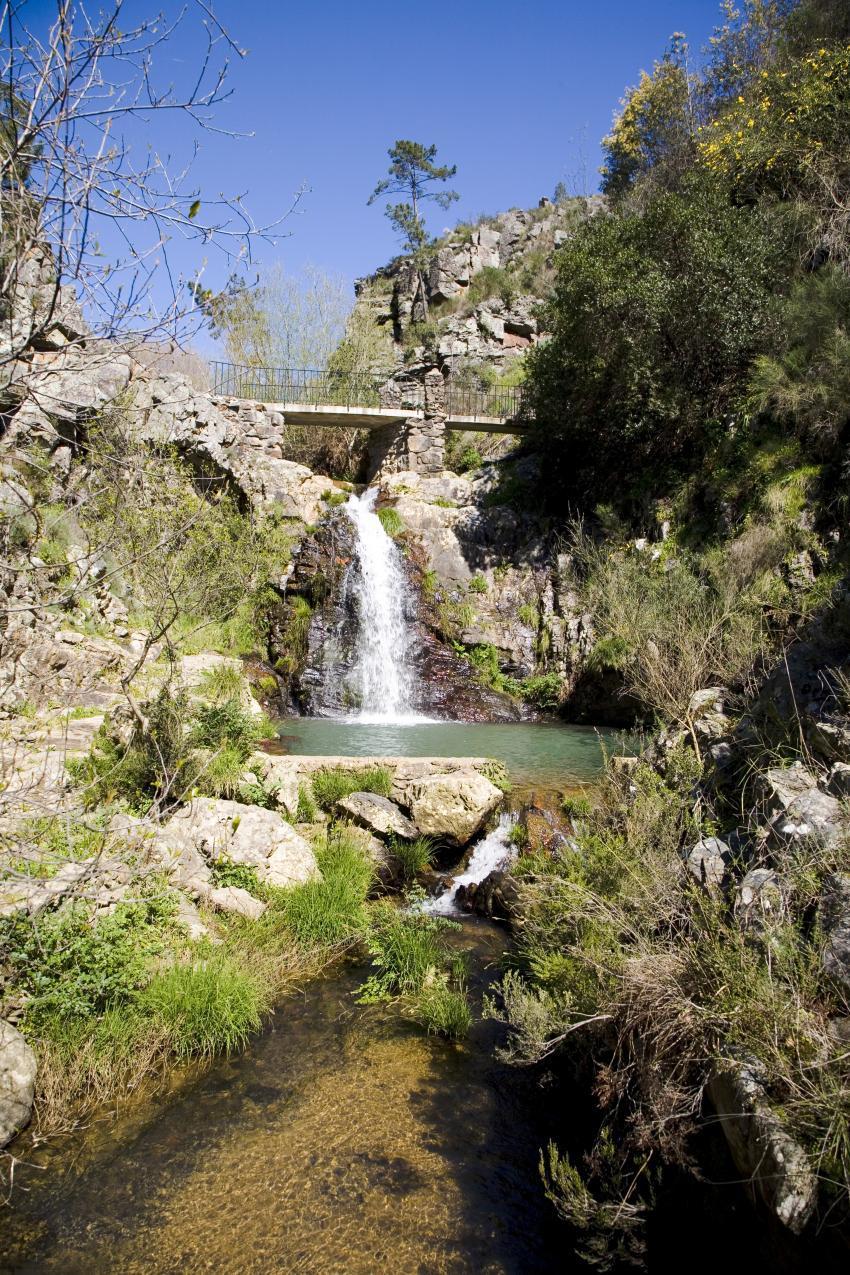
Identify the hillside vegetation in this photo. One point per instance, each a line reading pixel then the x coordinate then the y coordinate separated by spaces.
pixel 687 949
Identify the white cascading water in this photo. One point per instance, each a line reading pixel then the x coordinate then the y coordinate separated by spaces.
pixel 492 852
pixel 385 676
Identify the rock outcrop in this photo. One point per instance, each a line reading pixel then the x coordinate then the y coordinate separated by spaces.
pixel 17 1082
pixel 239 834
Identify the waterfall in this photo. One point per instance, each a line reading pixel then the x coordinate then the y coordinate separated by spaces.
pixel 384 676
pixel 491 852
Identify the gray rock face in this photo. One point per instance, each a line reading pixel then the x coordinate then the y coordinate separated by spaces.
pixel 260 839
pixel 834 917
pixel 813 816
pixel 453 807
pixel 708 861
pixel 784 784
pixel 761 1146
pixel 378 814
pixel 838 784
pixel 17 1082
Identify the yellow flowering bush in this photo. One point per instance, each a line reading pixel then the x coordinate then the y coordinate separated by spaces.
pixel 787 133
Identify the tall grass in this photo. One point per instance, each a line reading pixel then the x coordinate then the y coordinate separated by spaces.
pixel 332 911
pixel 208 1006
pixel 331 784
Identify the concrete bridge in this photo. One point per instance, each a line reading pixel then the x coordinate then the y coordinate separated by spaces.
pixel 407 417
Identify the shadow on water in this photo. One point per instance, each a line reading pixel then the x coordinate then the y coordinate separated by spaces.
pixel 343 1140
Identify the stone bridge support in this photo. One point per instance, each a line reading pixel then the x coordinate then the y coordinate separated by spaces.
pixel 418 444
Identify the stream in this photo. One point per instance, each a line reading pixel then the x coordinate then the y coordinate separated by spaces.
pixel 343 1139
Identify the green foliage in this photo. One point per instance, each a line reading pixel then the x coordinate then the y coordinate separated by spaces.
pixel 807 384
pixel 478 584
pixel 469 458
pixel 221 683
pixel 391 521
pixel 414 174
pixel 543 690
pixel 331 784
pixel 210 1005
pixel 441 1008
pixel 408 948
pixel 785 135
pixel 645 360
pixel 492 281
pixel 412 857
pixel 333 498
pixel 655 126
pixel 70 968
pixel 240 875
pixel 227 723
pixel 332 911
pixel 307 809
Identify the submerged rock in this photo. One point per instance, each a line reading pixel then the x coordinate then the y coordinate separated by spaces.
pixel 17 1082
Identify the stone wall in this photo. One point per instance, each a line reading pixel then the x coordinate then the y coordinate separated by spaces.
pixel 418 446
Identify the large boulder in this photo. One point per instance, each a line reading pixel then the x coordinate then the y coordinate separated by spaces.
pixel 378 814
pixel 452 807
pixel 17 1082
pixel 762 1148
pixel 259 839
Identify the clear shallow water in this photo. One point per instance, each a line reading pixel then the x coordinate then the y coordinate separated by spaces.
pixel 549 755
pixel 344 1142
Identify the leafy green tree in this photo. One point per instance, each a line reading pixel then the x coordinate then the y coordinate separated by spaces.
pixel 414 174
pixel 654 129
pixel 655 319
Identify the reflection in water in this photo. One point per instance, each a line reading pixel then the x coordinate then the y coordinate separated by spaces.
pixel 345 1140
pixel 546 754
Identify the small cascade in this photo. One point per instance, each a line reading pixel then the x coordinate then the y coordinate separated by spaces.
pixel 492 852
pixel 385 679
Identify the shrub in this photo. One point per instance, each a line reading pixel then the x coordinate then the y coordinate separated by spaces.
pixel 223 683
pixel 70 968
pixel 331 784
pixel 477 584
pixel 211 1005
pixel 544 690
pixel 406 948
pixel 227 724
pixel 646 363
pixel 333 498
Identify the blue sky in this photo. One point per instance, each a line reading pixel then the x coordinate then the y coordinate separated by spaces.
pixel 517 95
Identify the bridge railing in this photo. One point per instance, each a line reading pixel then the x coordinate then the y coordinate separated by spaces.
pixel 316 388
pixel 489 401
pixel 294 385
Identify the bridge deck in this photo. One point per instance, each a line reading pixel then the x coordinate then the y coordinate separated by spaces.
pixel 378 417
